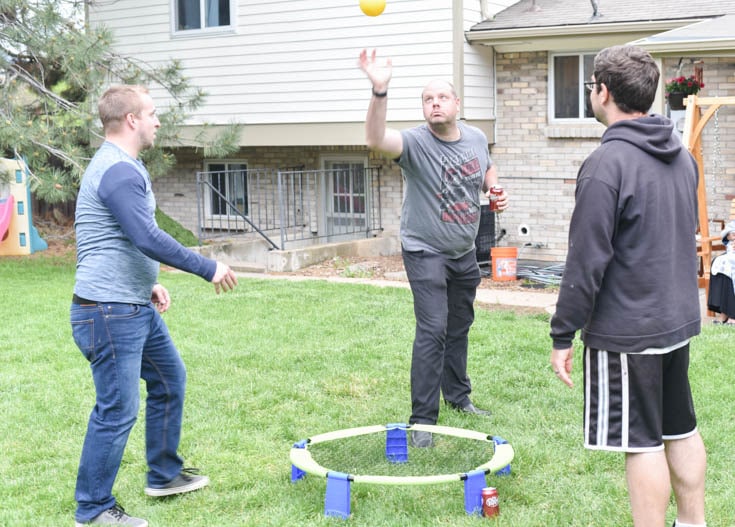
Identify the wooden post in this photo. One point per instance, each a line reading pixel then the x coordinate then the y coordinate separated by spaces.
pixel 694 124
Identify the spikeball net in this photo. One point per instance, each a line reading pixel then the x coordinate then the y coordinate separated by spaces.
pixel 379 455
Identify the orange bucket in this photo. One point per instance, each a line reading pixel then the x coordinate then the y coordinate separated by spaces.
pixel 504 262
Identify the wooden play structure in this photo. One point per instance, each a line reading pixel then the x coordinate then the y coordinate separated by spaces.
pixel 699 110
pixel 18 235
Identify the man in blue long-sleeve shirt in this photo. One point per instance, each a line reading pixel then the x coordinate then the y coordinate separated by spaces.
pixel 115 313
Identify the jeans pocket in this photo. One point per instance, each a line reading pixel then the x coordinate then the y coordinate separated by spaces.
pixel 117 311
pixel 83 333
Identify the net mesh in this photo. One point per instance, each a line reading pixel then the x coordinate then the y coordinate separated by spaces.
pixel 362 455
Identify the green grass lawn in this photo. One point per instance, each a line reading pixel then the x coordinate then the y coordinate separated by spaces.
pixel 275 362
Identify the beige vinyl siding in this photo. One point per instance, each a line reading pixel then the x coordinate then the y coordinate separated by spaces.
pixel 295 61
pixel 478 101
pixel 479 88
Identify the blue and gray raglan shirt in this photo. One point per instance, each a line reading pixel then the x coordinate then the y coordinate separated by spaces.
pixel 119 243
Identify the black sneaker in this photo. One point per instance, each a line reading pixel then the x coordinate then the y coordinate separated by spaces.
pixel 470 408
pixel 115 516
pixel 187 480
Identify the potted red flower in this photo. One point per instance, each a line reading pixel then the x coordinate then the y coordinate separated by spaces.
pixel 679 88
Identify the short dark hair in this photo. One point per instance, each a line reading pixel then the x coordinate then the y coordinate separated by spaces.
pixel 631 76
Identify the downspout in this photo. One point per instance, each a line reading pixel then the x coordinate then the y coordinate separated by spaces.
pixel 483 10
pixel 495 95
pixel 458 52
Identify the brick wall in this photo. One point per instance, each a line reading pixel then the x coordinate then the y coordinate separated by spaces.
pixel 719 133
pixel 176 192
pixel 537 163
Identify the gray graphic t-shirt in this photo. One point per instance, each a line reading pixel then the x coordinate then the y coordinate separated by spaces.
pixel 441 207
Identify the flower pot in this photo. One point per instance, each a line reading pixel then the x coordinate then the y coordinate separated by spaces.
pixel 676 100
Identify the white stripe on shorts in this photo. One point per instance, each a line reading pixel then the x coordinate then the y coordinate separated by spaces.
pixel 602 409
pixel 626 399
pixel 603 399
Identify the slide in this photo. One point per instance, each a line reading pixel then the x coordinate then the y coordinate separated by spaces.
pixel 6 214
pixel 18 235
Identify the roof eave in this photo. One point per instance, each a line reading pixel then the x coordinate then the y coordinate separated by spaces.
pixel 720 47
pixel 537 38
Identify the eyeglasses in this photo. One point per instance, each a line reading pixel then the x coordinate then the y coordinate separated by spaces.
pixel 589 84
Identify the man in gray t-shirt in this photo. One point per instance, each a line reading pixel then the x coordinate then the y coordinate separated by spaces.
pixel 445 166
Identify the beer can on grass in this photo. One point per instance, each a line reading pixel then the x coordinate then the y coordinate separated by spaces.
pixel 495 191
pixel 490 503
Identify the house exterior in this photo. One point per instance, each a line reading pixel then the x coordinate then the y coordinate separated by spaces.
pixel 543 53
pixel 287 72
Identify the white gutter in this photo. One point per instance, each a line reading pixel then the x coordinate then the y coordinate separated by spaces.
pixel 497 36
pixel 718 45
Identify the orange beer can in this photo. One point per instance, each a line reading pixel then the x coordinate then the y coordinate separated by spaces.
pixel 495 191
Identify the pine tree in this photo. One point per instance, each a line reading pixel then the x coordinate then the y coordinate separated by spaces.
pixel 53 68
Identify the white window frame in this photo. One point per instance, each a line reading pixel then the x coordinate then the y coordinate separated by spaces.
pixel 203 30
pixel 582 78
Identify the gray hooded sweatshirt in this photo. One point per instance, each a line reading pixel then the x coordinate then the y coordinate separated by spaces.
pixel 630 279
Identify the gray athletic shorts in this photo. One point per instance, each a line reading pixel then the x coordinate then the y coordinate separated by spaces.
pixel 633 402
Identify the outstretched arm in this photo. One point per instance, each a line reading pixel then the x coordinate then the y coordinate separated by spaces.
pixel 122 189
pixel 377 136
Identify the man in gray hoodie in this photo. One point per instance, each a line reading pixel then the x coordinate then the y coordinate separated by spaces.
pixel 630 285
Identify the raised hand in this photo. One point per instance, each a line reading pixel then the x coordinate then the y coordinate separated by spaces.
pixel 378 71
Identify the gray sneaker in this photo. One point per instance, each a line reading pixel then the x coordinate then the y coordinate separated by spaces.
pixel 115 516
pixel 187 480
pixel 421 439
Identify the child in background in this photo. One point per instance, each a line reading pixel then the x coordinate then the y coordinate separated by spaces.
pixel 721 295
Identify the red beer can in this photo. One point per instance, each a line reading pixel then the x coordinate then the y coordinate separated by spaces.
pixel 490 502
pixel 495 191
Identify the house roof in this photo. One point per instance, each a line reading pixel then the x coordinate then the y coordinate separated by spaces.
pixel 533 25
pixel 713 35
pixel 549 13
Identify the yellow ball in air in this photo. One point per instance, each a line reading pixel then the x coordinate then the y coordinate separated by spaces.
pixel 372 7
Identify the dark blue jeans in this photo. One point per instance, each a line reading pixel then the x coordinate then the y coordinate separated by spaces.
pixel 123 344
pixel 443 302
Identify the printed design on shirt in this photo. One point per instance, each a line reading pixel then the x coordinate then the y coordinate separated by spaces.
pixel 461 175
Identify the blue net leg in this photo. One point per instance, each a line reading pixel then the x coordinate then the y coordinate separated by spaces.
pixel 337 498
pixel 473 485
pixel 505 471
pixel 296 472
pixel 396 443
